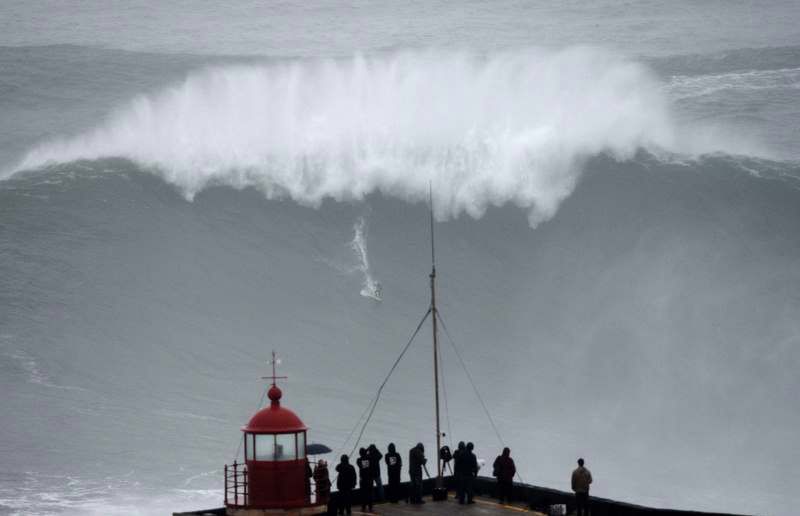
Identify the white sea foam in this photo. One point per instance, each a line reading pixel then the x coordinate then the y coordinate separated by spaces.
pixel 371 288
pixel 48 494
pixel 511 127
pixel 682 86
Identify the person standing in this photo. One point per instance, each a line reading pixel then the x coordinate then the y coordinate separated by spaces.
pixel 446 456
pixel 375 457
pixel 470 472
pixel 459 458
pixel 309 475
pixel 581 479
pixel 322 481
pixel 394 466
pixel 345 483
pixel 365 479
pixel 416 462
pixel 504 470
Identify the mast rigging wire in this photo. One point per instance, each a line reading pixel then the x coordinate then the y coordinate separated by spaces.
pixel 374 403
pixel 474 387
pixel 446 409
pixel 353 430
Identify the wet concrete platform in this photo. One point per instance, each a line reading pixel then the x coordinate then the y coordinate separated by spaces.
pixel 481 507
pixel 534 500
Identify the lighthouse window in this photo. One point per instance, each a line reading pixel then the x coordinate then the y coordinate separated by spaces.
pixel 265 447
pixel 250 446
pixel 285 447
pixel 301 445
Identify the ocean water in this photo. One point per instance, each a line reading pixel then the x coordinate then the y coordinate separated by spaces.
pixel 186 187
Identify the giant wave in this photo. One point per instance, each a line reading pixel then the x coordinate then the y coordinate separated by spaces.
pixel 513 127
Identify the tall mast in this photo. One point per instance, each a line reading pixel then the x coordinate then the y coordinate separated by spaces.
pixel 435 347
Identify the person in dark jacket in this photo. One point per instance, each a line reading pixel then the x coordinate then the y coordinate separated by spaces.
pixel 504 470
pixel 345 483
pixel 365 479
pixel 394 466
pixel 459 457
pixel 581 479
pixel 309 474
pixel 470 472
pixel 322 481
pixel 416 463
pixel 446 456
pixel 375 457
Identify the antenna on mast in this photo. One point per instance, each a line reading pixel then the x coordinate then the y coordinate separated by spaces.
pixel 275 361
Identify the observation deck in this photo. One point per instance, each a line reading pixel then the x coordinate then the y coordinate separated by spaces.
pixel 527 499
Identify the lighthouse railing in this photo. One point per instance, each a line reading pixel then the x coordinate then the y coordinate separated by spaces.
pixel 236 485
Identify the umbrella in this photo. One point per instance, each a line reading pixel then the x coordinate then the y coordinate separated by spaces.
pixel 317 449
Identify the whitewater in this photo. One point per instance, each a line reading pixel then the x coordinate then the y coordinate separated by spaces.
pixel 485 131
pixel 617 196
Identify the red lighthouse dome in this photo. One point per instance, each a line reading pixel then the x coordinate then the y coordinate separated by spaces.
pixel 276 475
pixel 274 418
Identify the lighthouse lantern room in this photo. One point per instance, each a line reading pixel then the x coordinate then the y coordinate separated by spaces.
pixel 274 478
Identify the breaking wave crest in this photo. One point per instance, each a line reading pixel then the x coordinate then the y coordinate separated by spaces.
pixel 508 128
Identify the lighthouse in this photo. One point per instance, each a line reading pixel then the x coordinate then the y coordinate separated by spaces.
pixel 274 478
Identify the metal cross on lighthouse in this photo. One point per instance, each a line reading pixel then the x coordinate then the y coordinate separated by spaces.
pixel 275 360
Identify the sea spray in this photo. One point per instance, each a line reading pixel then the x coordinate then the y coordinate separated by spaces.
pixel 514 127
pixel 371 288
